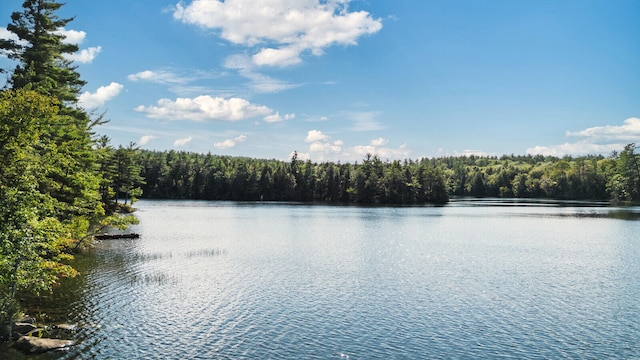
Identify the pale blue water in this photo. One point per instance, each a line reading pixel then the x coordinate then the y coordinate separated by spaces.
pixel 473 279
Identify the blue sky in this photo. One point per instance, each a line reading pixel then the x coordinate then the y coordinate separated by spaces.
pixel 334 80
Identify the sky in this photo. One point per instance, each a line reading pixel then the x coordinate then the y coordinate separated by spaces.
pixel 334 80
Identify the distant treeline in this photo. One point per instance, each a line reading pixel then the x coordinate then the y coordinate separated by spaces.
pixel 183 175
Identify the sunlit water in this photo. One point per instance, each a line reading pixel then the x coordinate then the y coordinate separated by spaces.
pixel 473 279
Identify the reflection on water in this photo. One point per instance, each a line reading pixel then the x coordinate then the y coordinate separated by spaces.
pixel 474 279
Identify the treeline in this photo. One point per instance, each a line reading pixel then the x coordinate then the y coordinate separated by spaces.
pixel 183 175
pixel 616 177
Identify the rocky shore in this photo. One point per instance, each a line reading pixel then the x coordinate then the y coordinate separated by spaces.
pixel 31 338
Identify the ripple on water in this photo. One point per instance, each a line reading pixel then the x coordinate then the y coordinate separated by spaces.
pixel 216 280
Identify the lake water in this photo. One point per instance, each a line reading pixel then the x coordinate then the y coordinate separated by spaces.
pixel 474 279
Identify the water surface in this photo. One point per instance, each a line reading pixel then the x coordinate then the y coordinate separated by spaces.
pixel 473 279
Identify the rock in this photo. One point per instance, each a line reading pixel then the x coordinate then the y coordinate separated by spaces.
pixel 27 319
pixel 36 345
pixel 23 328
pixel 66 327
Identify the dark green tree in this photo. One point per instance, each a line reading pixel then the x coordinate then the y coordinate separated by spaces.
pixel 127 178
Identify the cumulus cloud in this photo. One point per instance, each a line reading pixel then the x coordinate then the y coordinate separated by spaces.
pixel 230 143
pixel 594 140
pixel 90 100
pixel 316 135
pixel 204 108
pixel 275 118
pixel 629 131
pixel 72 36
pixel 284 29
pixel 379 142
pixel 326 147
pixel 84 56
pixel 182 142
pixel 323 148
pixel 577 149
pixel 145 139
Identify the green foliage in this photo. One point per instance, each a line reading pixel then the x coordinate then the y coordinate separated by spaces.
pixel 34 239
pixel 625 184
pixel 56 182
pixel 181 175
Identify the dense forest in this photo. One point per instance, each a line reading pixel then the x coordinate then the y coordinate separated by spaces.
pixel 61 183
pixel 182 175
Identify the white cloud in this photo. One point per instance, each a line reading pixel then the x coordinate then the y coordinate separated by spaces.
pixel 576 149
pixel 594 140
pixel 159 77
pixel 277 57
pixel 275 118
pixel 145 139
pixel 379 142
pixel 316 135
pixel 182 142
pixel 203 108
pixel 326 148
pixel 72 36
pixel 84 56
pixel 285 28
pixel 89 100
pixel 323 149
pixel 382 152
pixel 229 143
pixel 629 131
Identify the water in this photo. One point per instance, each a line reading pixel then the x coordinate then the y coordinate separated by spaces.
pixel 474 279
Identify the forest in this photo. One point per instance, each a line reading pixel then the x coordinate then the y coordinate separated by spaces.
pixel 183 175
pixel 61 182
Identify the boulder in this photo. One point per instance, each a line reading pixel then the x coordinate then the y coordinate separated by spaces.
pixel 36 345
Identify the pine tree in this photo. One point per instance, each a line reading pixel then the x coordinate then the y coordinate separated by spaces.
pixel 42 67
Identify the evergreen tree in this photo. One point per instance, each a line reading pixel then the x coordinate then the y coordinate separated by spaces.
pixel 42 67
pixel 50 184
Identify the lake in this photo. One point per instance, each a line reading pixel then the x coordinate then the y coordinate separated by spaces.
pixel 477 278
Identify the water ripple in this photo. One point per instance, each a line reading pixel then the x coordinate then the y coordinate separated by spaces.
pixel 215 280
